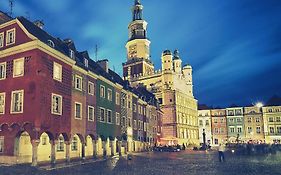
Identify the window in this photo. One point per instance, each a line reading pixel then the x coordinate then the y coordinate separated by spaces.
pixel 78 110
pixel 44 140
pixel 117 118
pixel 231 120
pixel 257 119
pixel 216 130
pixel 231 112
pixel 135 124
pixel 102 91
pixel 123 121
pixel 51 43
pixel 135 108
pixel 222 130
pixel 1 144
pixel 258 130
pixel 129 104
pixel 278 129
pixel 249 129
pixel 238 112
pixel 1 39
pixel 91 113
pixel 71 54
pixel 11 37
pixel 91 88
pixel 56 104
pixel 216 141
pixel 129 122
pixel 109 116
pixel 78 82
pixel 17 101
pixel 238 120
pixel 57 71
pixel 102 114
pixel 2 103
pixel 2 71
pixel 222 120
pixel 249 119
pixel 277 119
pixel 60 145
pixel 109 94
pixel 232 130
pixel 74 144
pixel 239 129
pixel 86 62
pixel 215 120
pixel 270 119
pixel 200 122
pixel 117 98
pixel 271 130
pixel 207 122
pixel 270 110
pixel 18 68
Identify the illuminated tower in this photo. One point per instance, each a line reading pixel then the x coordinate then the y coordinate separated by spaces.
pixel 138 46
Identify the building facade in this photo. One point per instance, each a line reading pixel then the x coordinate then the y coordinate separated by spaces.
pixel 56 103
pixel 205 126
pixel 235 124
pixel 219 127
pixel 272 123
pixel 172 85
pixel 253 120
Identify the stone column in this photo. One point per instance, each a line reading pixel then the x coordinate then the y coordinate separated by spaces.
pixel 67 151
pixel 53 151
pixel 112 147
pixel 104 148
pixel 35 144
pixel 119 148
pixel 95 153
pixel 83 150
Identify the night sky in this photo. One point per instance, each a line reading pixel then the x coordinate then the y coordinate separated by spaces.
pixel 234 46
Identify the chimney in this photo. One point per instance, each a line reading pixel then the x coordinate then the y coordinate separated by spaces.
pixel 39 23
pixel 103 64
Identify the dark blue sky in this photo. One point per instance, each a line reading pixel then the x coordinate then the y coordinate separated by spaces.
pixel 234 46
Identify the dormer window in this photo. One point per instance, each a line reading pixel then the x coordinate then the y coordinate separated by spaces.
pixel 51 43
pixel 71 54
pixel 86 62
pixel 2 39
pixel 11 37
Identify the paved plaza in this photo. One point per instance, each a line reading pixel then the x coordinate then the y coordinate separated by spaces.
pixel 156 163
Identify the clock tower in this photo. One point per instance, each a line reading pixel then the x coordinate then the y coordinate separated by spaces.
pixel 138 46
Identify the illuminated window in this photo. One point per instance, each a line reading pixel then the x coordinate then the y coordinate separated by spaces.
pixel 11 37
pixel 117 99
pixel 257 119
pixel 109 94
pixel 74 144
pixel 270 119
pixel 60 145
pixel 91 113
pixel 78 82
pixel 271 130
pixel 1 39
pixel 57 72
pixel 2 71
pixel 2 103
pixel 91 88
pixel 117 118
pixel 78 110
pixel 17 101
pixel 1 144
pixel 18 68
pixel 56 104
pixel 102 91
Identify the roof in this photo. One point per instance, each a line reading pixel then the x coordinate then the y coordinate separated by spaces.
pixel 4 17
pixel 274 101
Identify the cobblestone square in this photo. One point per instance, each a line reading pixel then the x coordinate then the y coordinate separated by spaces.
pixel 158 163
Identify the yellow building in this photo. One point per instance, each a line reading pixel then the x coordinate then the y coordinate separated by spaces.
pixel 172 85
pixel 272 123
pixel 253 122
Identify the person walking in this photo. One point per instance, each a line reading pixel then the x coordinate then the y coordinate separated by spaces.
pixel 221 153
